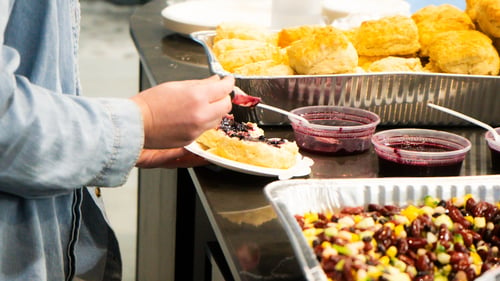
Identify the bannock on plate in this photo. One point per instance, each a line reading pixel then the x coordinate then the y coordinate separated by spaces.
pixel 300 169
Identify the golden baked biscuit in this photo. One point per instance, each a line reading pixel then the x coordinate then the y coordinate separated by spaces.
pixel 244 31
pixel 246 143
pixel 351 34
pixel 464 52
pixel 264 68
pixel 365 61
pixel 396 64
pixel 258 153
pixel 388 36
pixel 470 9
pixel 432 20
pixel 327 51
pixel 488 17
pixel 288 35
pixel 234 53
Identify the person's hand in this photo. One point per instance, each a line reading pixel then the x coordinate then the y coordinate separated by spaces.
pixel 176 113
pixel 169 158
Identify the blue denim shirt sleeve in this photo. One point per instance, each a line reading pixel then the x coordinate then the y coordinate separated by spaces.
pixel 52 143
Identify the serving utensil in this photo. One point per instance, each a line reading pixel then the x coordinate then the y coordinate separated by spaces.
pixel 243 99
pixel 496 136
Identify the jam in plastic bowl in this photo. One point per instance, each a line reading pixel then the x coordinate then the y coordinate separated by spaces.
pixel 495 151
pixel 334 130
pixel 419 152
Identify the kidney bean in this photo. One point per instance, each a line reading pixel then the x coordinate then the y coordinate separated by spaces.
pixel 495 218
pixel 424 264
pixel 466 237
pixel 460 248
pixel 457 216
pixel 470 273
pixel 373 207
pixel 459 260
pixel 383 236
pixel 416 242
pixel 416 228
pixel 444 234
pixel 402 246
pixel 432 256
pixel 476 237
pixel 406 259
pixel 481 209
pixel 470 204
pixel 353 210
pixel 367 246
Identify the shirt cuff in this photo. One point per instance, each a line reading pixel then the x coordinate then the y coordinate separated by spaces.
pixel 128 141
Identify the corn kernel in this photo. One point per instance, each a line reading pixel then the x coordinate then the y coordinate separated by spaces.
pixel 411 212
pixel 469 219
pixel 400 231
pixel 392 251
pixel 476 259
pixel 384 260
pixel 326 244
pixel 390 225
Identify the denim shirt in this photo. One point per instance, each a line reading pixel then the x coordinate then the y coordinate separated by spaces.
pixel 54 146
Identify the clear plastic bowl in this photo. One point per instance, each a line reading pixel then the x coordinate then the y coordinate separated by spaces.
pixel 334 130
pixel 419 152
pixel 495 151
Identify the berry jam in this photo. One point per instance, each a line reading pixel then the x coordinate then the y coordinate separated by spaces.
pixel 346 135
pixel 495 161
pixel 243 131
pixel 400 167
pixel 389 168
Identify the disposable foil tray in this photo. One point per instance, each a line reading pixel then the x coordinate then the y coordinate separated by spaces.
pixel 296 197
pixel 398 98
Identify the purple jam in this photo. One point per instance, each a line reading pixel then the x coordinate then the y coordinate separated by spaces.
pixel 426 147
pixel 399 167
pixel 389 168
pixel 495 161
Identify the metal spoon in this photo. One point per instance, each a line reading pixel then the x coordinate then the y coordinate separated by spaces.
pixel 238 91
pixel 496 136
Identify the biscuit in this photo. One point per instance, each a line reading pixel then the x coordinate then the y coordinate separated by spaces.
pixel 464 52
pixel 234 53
pixel 246 143
pixel 326 51
pixel 487 14
pixel 288 35
pixel 396 64
pixel 432 20
pixel 388 36
pixel 264 68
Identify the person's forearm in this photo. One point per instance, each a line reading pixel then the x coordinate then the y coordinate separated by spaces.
pixel 50 142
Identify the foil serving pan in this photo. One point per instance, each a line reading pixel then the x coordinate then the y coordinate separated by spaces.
pixel 298 196
pixel 398 98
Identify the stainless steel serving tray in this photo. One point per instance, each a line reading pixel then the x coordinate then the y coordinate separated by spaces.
pixel 398 98
pixel 292 197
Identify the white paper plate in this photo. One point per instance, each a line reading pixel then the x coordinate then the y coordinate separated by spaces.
pixel 190 16
pixel 302 168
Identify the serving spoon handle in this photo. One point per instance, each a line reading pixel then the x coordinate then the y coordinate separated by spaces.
pixel 249 101
pixel 496 136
